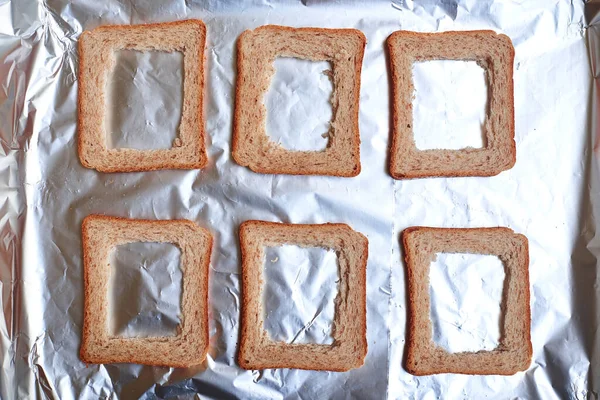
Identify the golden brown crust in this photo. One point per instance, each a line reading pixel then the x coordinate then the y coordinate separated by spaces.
pixel 124 29
pixel 299 167
pixel 86 286
pixel 453 174
pixel 248 340
pixel 394 167
pixel 358 67
pixel 82 88
pixel 236 108
pixel 413 356
pixel 198 146
pixel 244 303
pixel 527 299
pixel 441 34
pixel 87 345
pixel 341 31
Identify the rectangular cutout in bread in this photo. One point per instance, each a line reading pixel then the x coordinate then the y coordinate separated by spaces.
pixel 349 332
pixel 256 51
pixel 97 58
pixel 495 54
pixel 514 351
pixel 100 235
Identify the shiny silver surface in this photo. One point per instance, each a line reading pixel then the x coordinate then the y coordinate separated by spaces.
pixel 551 195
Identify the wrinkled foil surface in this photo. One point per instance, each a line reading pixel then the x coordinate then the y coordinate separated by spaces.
pixel 552 195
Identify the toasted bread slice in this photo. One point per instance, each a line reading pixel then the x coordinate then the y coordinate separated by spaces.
pixel 256 51
pixel 514 352
pixel 495 54
pixel 96 59
pixel 257 350
pixel 100 235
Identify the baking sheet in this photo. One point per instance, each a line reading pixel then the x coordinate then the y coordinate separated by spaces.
pixel 550 196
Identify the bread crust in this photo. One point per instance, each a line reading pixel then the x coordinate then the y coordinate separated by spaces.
pixel 191 155
pixel 257 350
pixel 418 357
pixel 300 162
pixel 403 151
pixel 97 347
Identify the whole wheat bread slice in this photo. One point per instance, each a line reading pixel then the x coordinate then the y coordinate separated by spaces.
pixel 97 58
pixel 514 351
pixel 101 234
pixel 256 52
pixel 257 350
pixel 495 54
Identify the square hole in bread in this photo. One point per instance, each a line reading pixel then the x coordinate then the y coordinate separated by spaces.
pixel 450 104
pixel 299 104
pixel 148 135
pixel 466 291
pixel 144 98
pixel 348 348
pixel 253 147
pixel 299 293
pixel 424 355
pixel 146 290
pixel 419 158
pixel 101 237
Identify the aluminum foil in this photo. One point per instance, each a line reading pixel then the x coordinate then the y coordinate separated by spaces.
pixel 551 195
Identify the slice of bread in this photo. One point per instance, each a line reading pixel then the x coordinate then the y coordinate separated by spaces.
pixel 514 352
pixel 495 54
pixel 97 58
pixel 349 348
pixel 101 234
pixel 256 52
